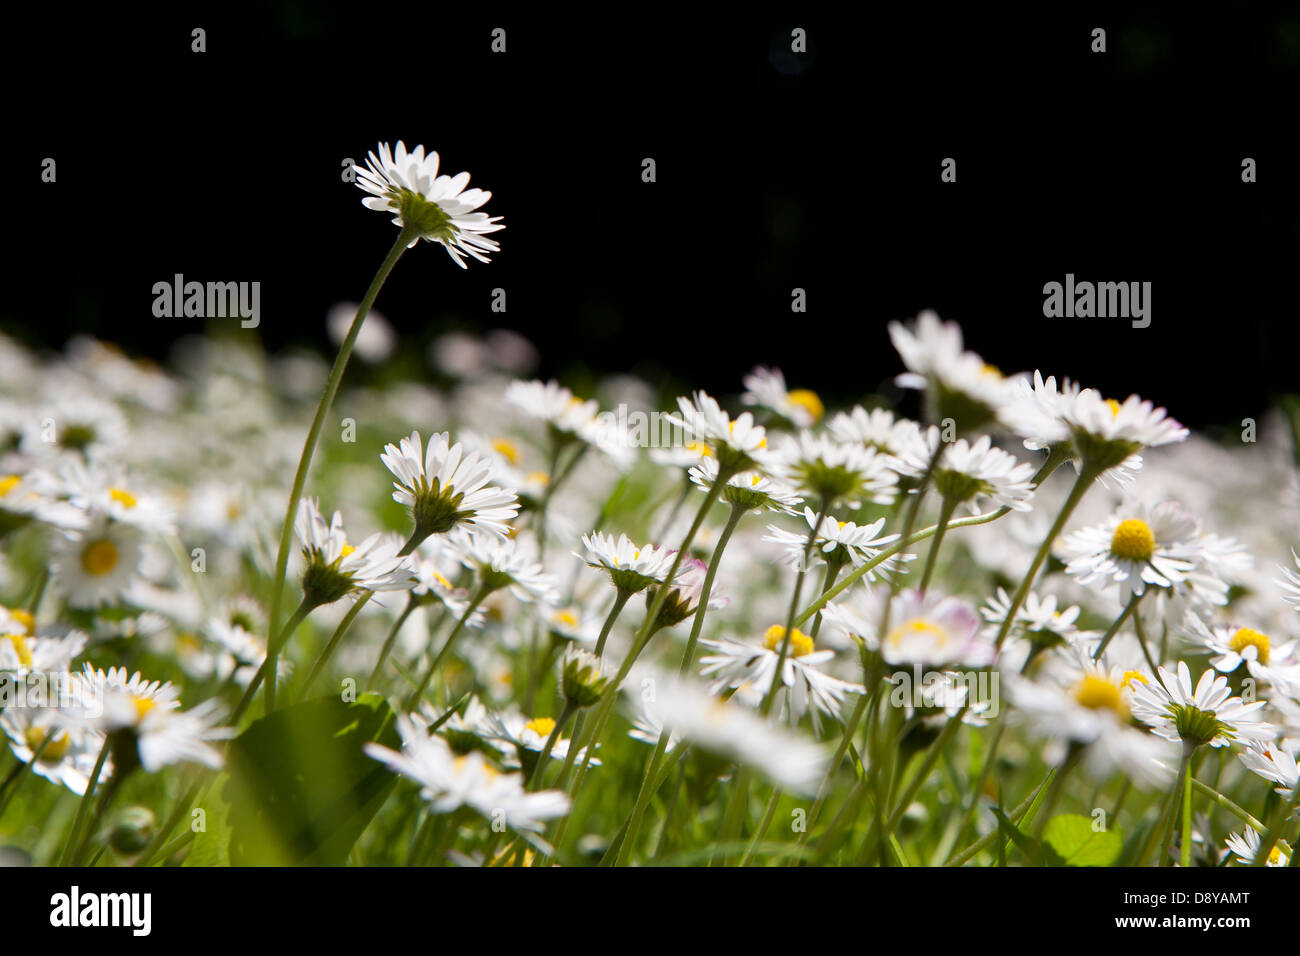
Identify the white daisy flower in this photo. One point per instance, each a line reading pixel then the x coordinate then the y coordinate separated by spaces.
pixel 69 758
pixel 22 653
pixel 737 444
pixel 1207 715
pixel 1246 847
pixel 833 471
pixel 445 488
pixel 1290 583
pixel 727 729
pixel 751 490
pixel 967 472
pixel 1275 763
pixel 1136 547
pixel 1235 646
pixel 569 418
pixel 876 429
pixel 32 496
pixel 807 688
pixel 439 207
pixel 960 384
pixel 76 424
pixel 843 542
pixel 98 490
pixel 1106 433
pixel 630 568
pixel 1087 703
pixel 527 736
pixel 506 563
pixel 96 566
pixel 927 631
pixel 766 387
pixel 448 781
pixel 335 568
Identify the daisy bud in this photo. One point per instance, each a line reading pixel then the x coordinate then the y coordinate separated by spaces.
pixel 133 831
pixel 584 680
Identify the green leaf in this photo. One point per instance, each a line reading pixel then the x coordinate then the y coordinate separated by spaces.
pixel 1071 841
pixel 301 788
pixel 1014 834
pixel 211 846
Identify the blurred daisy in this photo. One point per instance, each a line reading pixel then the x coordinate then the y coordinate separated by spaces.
pixel 1290 583
pixel 449 781
pixel 1275 763
pixel 967 472
pixel 150 713
pixel 23 653
pixel 926 631
pixel 766 387
pixel 445 488
pixel 737 445
pixel 1206 715
pixel 505 563
pixel 831 471
pixel 631 568
pixel 876 429
pixel 1245 846
pixel 750 490
pixel 440 208
pixel 98 491
pixel 733 664
pixel 1107 433
pixel 959 384
pixel 97 566
pixel 69 757
pixel 527 736
pixel 1235 646
pixel 569 418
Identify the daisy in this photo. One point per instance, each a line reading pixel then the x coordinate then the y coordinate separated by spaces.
pixel 569 418
pixel 737 445
pixel 1106 433
pixel 445 488
pixel 335 569
pixel 1290 583
pixel 766 387
pixel 23 653
pixel 925 630
pixel 876 429
pixel 527 736
pixel 1275 763
pixel 959 383
pixel 98 491
pixel 837 542
pixel 69 758
pixel 439 208
pixel 727 729
pixel 750 490
pixel 631 569
pixel 684 595
pixel 78 424
pixel 1088 704
pixel 96 566
pixel 1136 547
pixel 583 677
pixel 1208 715
pixel 832 471
pixel 1246 846
pixel 505 563
pixel 751 668
pixel 448 781
pixel 1242 645
pixel 967 472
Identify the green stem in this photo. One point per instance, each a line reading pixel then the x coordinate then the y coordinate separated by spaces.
pixel 411 603
pixel 697 625
pixel 404 238
pixel 621 597
pixel 1129 608
pixel 479 596
pixel 1185 856
pixel 84 806
pixel 539 771
pixel 1269 839
pixel 1024 809
pixel 945 515
pixel 362 599
pixel 272 650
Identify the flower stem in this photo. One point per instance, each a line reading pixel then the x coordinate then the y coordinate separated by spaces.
pixel 411 603
pixel 539 771
pixel 1129 608
pixel 945 515
pixel 328 651
pixel 479 596
pixel 404 238
pixel 621 597
pixel 697 625
pixel 1185 856
pixel 272 650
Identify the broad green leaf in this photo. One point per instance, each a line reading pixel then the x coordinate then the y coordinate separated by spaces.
pixel 301 788
pixel 211 846
pixel 1071 841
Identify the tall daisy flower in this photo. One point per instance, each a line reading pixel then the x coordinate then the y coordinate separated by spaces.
pixel 1107 433
pixel 1245 846
pixel 736 444
pixel 631 569
pixel 571 419
pixel 444 488
pixel 837 543
pixel 438 207
pixel 1275 763
pixel 967 472
pixel 1234 646
pixel 765 387
pixel 505 563
pixel 876 429
pixel 753 668
pixel 449 781
pixel 1207 715
pixel 97 565
pixel 748 490
pixel 831 471
pixel 335 569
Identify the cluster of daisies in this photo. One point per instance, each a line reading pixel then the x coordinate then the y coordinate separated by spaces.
pixel 1031 598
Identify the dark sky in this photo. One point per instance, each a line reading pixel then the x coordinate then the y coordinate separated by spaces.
pixel 773 172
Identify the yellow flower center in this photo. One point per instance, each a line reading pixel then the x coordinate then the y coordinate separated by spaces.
pixel 800 643
pixel 507 450
pixel 122 497
pixel 347 549
pixel 1275 856
pixel 699 448
pixel 1114 407
pixel 1130 677
pixel 807 400
pixel 918 626
pixel 441 580
pixel 21 648
pixel 54 751
pixel 567 617
pixel 538 478
pixel 1098 693
pixel 1133 540
pixel 1245 638
pixel 541 726
pixel 25 618
pixel 99 557
pixel 992 371
pixel 142 706
pixel 7 484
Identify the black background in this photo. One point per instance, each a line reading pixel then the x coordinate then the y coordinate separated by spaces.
pixel 774 172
